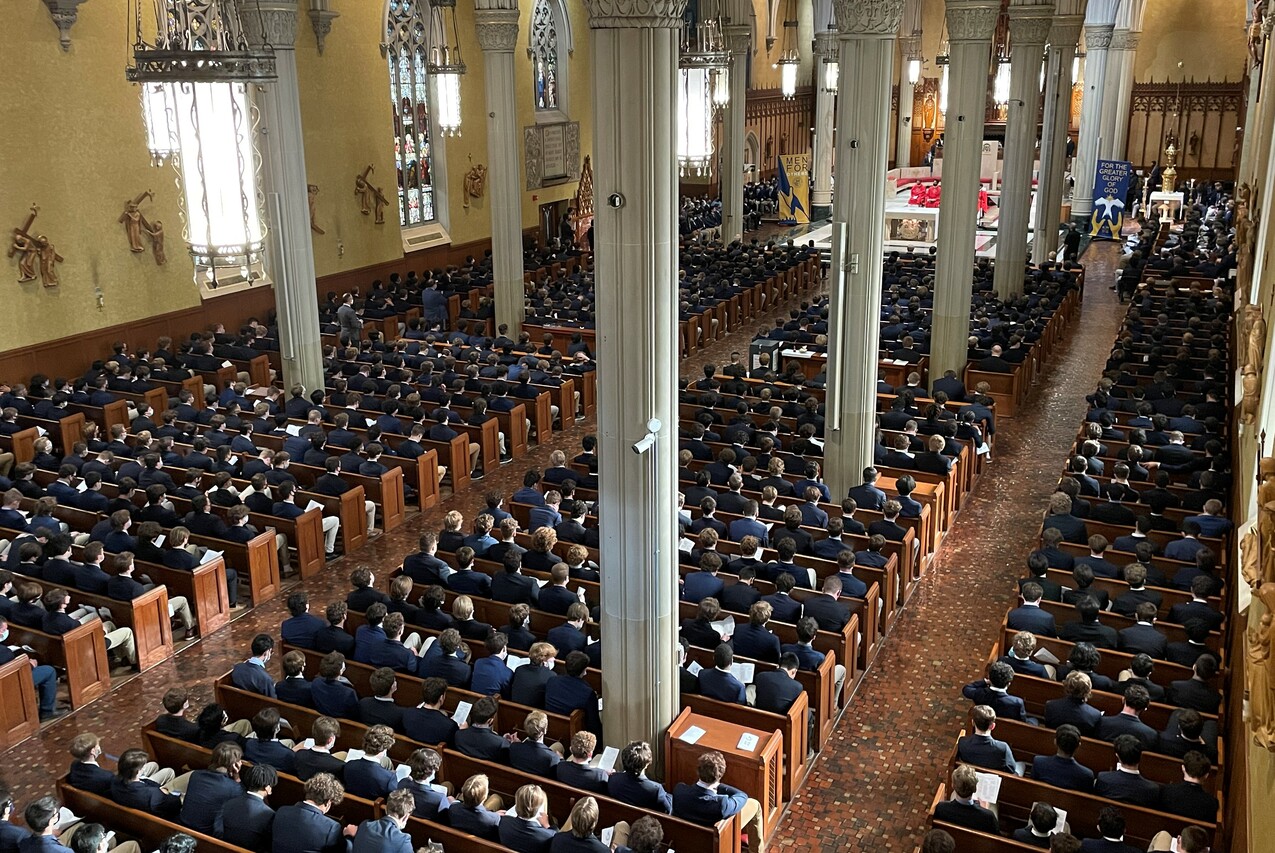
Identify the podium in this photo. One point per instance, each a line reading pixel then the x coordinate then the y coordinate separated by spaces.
pixel 758 773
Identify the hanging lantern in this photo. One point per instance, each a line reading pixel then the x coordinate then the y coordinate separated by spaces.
pixel 703 87
pixel 789 59
pixel 1000 86
pixel 914 71
pixel 194 73
pixel 831 73
pixel 445 65
pixel 1076 68
pixel 943 90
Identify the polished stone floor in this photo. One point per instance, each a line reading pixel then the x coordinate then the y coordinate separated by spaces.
pixel 871 786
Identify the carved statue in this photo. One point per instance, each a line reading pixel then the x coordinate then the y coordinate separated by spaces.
pixel 1255 340
pixel 24 247
pixel 1193 144
pixel 1245 232
pixel 134 222
pixel 363 190
pixel 1256 41
pixel 1261 691
pixel 475 182
pixel 312 192
pixel 156 232
pixel 49 258
pixel 1251 386
pixel 1265 523
pixel 1250 553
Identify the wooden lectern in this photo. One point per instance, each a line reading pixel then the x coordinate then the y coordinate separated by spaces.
pixel 758 773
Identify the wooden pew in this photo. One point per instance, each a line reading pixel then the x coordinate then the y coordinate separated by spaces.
pixel 21 444
pixel 19 709
pixel 793 726
pixel 144 826
pixel 79 653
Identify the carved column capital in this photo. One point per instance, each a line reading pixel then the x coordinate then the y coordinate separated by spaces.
pixel 625 14
pixel 497 29
pixel 1029 25
pixel 826 46
pixel 1098 36
pixel 272 22
pixel 64 14
pixel 321 18
pixel 1066 31
pixel 971 20
pixel 1120 40
pixel 868 17
pixel 739 39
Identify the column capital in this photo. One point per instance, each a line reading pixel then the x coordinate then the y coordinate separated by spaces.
pixel 868 17
pixel 826 45
pixel 1029 24
pixel 635 14
pixel 971 20
pixel 910 47
pixel 1065 32
pixel 272 22
pixel 1098 36
pixel 1124 40
pixel 496 5
pixel 739 38
pixel 497 29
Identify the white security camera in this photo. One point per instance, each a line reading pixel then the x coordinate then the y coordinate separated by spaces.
pixel 648 441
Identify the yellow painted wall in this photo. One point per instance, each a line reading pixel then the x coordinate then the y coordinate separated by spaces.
pixel 72 142
pixel 1206 36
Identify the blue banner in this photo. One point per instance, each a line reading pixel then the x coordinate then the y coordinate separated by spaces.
pixel 1110 186
pixel 794 189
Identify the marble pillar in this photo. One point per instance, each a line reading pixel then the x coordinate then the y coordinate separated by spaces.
pixel 731 179
pixel 635 262
pixel 970 25
pixel 496 23
pixel 1119 94
pixel 1063 38
pixel 1100 21
pixel 279 138
pixel 867 36
pixel 826 45
pixel 903 129
pixel 1029 25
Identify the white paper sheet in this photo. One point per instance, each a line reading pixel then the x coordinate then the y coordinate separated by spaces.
pixel 989 787
pixel 692 735
pixel 461 714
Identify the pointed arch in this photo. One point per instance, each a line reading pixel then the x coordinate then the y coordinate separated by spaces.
pixel 549 47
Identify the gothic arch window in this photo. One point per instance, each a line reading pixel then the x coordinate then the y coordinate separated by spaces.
pixel 549 46
pixel 406 46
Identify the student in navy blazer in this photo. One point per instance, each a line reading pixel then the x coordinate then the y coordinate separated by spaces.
pixel 525 829
pixel 710 799
pixel 251 674
pixel 753 639
pixel 367 777
pixel 478 740
pixel 40 818
pixel 784 608
pixel 530 754
pixel 469 814
pixel 718 683
pixel 131 791
pixel 428 803
pixel 980 748
pixel 1029 616
pixel 576 770
pixel 1126 784
pixel 580 838
pixel 209 790
pixel 246 821
pixel 301 628
pixel 778 689
pixel 305 826
pixel 266 748
pixel 630 785
pixel 333 697
pixel 1073 706
pixel 10 833
pixel 1127 722
pixel 1061 769
pixel 569 691
pixel 705 583
pixel 295 688
pixel 386 835
pixel 994 691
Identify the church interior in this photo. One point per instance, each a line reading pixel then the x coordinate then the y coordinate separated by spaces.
pixel 633 425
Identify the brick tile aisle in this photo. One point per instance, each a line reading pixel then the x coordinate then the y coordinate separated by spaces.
pixel 872 785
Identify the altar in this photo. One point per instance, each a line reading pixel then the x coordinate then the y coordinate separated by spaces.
pixel 911 225
pixel 1174 201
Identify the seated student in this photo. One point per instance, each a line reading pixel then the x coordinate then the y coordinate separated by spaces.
pixel 302 627
pixel 319 758
pixel 529 681
pixel 364 594
pixel 120 642
pixel 331 692
pixel 980 748
pixel 213 721
pixel 1193 839
pixel 386 835
pixel 557 596
pixel 87 775
pixel 1073 706
pixel 368 776
pixel 1061 769
pixel 1040 826
pixel 424 567
pixel 464 622
pixel 962 809
pixel 428 722
pixel 247 820
pixel 208 790
pixel 579 837
pixel 1195 691
pixel 994 691
pixel 295 688
pixel 1087 629
pixel 709 799
pixel 576 770
pixel 305 827
pixel 1139 672
pixel 1127 722
pixel 394 651
pixel 566 692
pixel 429 802
pixel 173 721
pixel 1020 657
pixel 266 748
pixel 333 637
pixel 446 659
pixel 1030 616
pixel 130 790
pixel 1083 657
pixel 526 828
pixel 478 740
pixel 473 810
pixel 1126 784
pixel 1143 637
pixel 630 785
pixel 251 674
pixel 491 673
pixel 1188 798
pixel 41 819
pixel 718 683
pixel 530 754
pixel 123 587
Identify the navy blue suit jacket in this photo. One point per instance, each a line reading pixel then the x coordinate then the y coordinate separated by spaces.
pixel 1062 772
pixel 381 836
pixel 700 805
pixel 368 779
pixel 1067 710
pixel 301 828
pixel 522 836
pixel 206 795
pixel 1034 619
pixel 249 676
pixel 1127 788
pixel 245 822
pixel 639 791
pixel 776 691
pixel 985 751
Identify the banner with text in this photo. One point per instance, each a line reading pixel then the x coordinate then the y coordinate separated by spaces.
pixel 794 189
pixel 1110 186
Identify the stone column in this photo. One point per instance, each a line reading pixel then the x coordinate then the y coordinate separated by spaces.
pixel 1100 22
pixel 1029 25
pixel 970 24
pixel 1063 37
pixel 854 279
pixel 635 145
pixel 1132 16
pixel 907 93
pixel 496 22
pixel 825 104
pixel 291 265
pixel 731 179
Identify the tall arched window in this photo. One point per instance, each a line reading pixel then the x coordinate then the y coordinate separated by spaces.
pixel 550 42
pixel 406 43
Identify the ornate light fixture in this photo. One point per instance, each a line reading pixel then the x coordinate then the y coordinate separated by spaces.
pixel 194 72
pixel 445 65
pixel 789 59
pixel 831 73
pixel 943 61
pixel 830 56
pixel 1000 86
pixel 914 71
pixel 703 87
pixel 1077 64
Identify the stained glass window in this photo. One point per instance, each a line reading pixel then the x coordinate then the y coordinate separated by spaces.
pixel 406 45
pixel 545 25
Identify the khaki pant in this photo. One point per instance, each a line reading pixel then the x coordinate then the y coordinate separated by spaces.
pixel 370 509
pixel 1161 841
pixel 6 463
pixel 178 607
pixel 331 524
pixel 750 818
